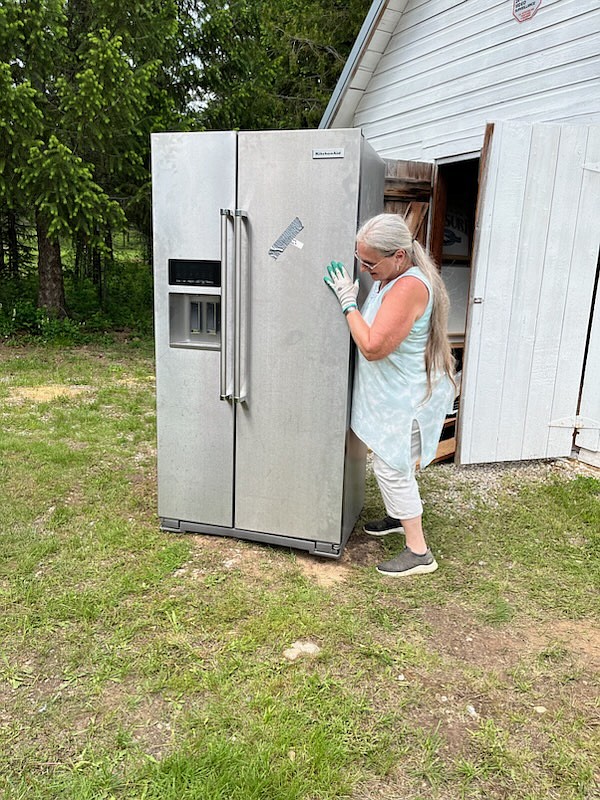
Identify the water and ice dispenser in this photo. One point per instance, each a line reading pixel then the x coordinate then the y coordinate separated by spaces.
pixel 195 317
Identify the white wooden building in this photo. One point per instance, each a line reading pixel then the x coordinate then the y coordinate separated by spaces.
pixel 488 114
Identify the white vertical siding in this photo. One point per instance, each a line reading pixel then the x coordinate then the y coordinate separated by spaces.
pixel 565 297
pixel 534 268
pixel 449 67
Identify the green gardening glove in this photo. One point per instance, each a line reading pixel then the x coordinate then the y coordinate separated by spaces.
pixel 341 283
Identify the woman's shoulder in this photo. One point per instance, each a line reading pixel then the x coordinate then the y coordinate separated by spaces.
pixel 403 284
pixel 416 272
pixel 420 282
pixel 409 291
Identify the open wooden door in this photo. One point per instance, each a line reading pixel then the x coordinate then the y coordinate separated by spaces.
pixel 530 299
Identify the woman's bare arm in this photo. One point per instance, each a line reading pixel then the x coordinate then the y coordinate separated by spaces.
pixel 401 307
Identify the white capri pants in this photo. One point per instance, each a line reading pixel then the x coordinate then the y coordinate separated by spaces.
pixel 400 493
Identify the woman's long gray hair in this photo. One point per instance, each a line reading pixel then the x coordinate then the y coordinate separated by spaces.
pixel 387 233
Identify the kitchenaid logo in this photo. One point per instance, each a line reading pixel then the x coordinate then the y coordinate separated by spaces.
pixel 328 152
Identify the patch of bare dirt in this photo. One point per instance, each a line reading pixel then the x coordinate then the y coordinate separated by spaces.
pixel 151 718
pixel 361 551
pixel 226 554
pixel 527 671
pixel 579 637
pixel 323 572
pixel 45 394
pixel 391 789
pixel 455 633
pixel 256 560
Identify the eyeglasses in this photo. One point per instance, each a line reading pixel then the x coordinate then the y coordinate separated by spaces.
pixel 369 266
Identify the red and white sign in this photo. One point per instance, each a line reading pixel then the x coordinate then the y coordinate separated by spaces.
pixel 525 9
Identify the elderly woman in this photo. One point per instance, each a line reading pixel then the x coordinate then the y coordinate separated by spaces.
pixel 404 378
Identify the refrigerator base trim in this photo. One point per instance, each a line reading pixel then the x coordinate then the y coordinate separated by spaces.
pixel 324 549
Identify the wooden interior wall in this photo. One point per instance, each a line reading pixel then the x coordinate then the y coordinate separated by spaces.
pixel 408 189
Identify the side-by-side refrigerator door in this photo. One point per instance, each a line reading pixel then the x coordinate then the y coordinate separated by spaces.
pixel 193 180
pixel 299 192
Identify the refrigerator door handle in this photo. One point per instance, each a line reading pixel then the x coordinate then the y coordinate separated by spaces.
pixel 241 315
pixel 226 392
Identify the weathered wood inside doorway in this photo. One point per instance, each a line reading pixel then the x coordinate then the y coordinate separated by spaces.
pixel 408 191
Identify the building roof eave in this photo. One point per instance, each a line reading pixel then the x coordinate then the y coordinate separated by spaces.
pixel 375 33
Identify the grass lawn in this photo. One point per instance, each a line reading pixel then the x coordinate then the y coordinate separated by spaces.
pixel 142 665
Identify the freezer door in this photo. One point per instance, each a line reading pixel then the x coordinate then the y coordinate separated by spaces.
pixel 193 177
pixel 300 191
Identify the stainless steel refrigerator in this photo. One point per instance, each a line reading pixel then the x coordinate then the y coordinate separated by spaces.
pixel 253 356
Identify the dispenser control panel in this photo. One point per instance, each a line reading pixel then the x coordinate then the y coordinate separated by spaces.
pixel 186 272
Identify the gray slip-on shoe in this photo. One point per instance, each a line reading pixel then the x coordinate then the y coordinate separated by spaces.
pixel 408 563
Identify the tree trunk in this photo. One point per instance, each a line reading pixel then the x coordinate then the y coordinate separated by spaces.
pixel 97 270
pixel 107 264
pixel 51 292
pixel 79 259
pixel 2 264
pixel 13 245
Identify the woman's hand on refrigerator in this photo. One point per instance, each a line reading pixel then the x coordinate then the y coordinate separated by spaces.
pixel 346 290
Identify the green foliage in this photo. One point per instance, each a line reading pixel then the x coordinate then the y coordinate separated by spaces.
pixel 272 63
pixel 126 303
pixel 19 119
pixel 83 83
pixel 29 321
pixel 66 192
pixel 87 94
pixel 312 41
